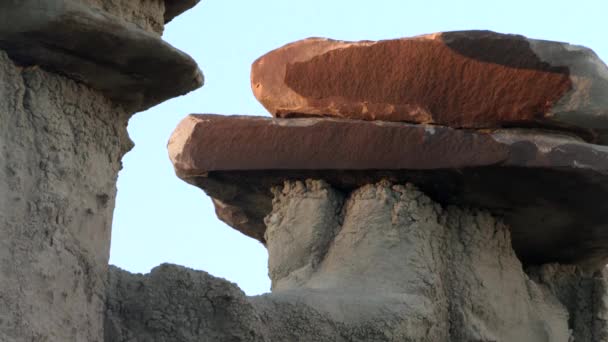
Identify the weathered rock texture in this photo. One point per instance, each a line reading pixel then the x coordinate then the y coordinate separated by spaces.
pixel 60 149
pixel 70 78
pixel 173 8
pixel 474 79
pixel 549 187
pixel 128 64
pixel 173 303
pixel 148 15
pixel 572 286
pixel 381 263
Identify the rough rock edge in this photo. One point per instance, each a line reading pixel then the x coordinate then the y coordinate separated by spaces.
pixel 236 159
pixel 61 143
pixel 54 225
pixel 581 104
pixel 173 8
pixel 66 38
pixel 584 293
pixel 180 304
pixel 145 14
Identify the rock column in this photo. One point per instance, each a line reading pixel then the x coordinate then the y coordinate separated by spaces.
pixel 66 95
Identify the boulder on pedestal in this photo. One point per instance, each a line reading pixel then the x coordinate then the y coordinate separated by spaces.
pixel 549 187
pixel 438 188
pixel 71 75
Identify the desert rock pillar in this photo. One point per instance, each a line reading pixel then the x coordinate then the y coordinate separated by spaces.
pixel 446 187
pixel 71 74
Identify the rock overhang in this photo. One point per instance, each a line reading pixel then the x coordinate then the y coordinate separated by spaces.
pixel 548 186
pixel 90 45
pixel 173 8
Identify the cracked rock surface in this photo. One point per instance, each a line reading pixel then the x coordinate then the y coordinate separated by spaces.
pixel 381 263
pixel 148 15
pixel 60 149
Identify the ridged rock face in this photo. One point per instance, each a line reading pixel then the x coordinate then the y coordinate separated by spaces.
pixel 475 79
pixel 381 263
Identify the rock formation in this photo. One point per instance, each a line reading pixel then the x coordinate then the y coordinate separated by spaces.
pixel 71 74
pixel 470 79
pixel 385 264
pixel 540 183
pixel 446 188
pixel 487 225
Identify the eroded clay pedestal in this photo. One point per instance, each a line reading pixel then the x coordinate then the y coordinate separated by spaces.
pixel 383 262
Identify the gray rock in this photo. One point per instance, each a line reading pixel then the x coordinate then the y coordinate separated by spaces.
pixel 128 64
pixel 62 136
pixel 381 263
pixel 445 78
pixel 173 8
pixel 584 293
pixel 148 15
pixel 174 303
pixel 60 149
pixel 306 246
pixel 426 273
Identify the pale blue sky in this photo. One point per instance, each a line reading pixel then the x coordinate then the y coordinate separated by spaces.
pixel 159 218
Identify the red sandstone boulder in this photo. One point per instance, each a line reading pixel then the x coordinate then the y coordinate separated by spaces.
pixel 475 79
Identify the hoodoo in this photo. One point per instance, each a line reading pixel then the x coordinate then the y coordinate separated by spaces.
pixel 446 187
pixel 72 72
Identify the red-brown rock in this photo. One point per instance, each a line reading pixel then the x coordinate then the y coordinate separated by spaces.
pixel 552 189
pixel 475 79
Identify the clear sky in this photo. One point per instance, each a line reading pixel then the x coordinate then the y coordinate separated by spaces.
pixel 159 218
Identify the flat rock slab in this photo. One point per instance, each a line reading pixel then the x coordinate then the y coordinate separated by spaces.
pixel 549 187
pixel 130 65
pixel 471 79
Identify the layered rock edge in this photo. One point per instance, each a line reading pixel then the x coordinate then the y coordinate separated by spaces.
pixel 174 8
pixel 462 79
pixel 150 15
pixel 381 263
pixel 128 64
pixel 540 182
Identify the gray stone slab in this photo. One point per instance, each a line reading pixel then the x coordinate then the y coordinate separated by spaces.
pixel 131 66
